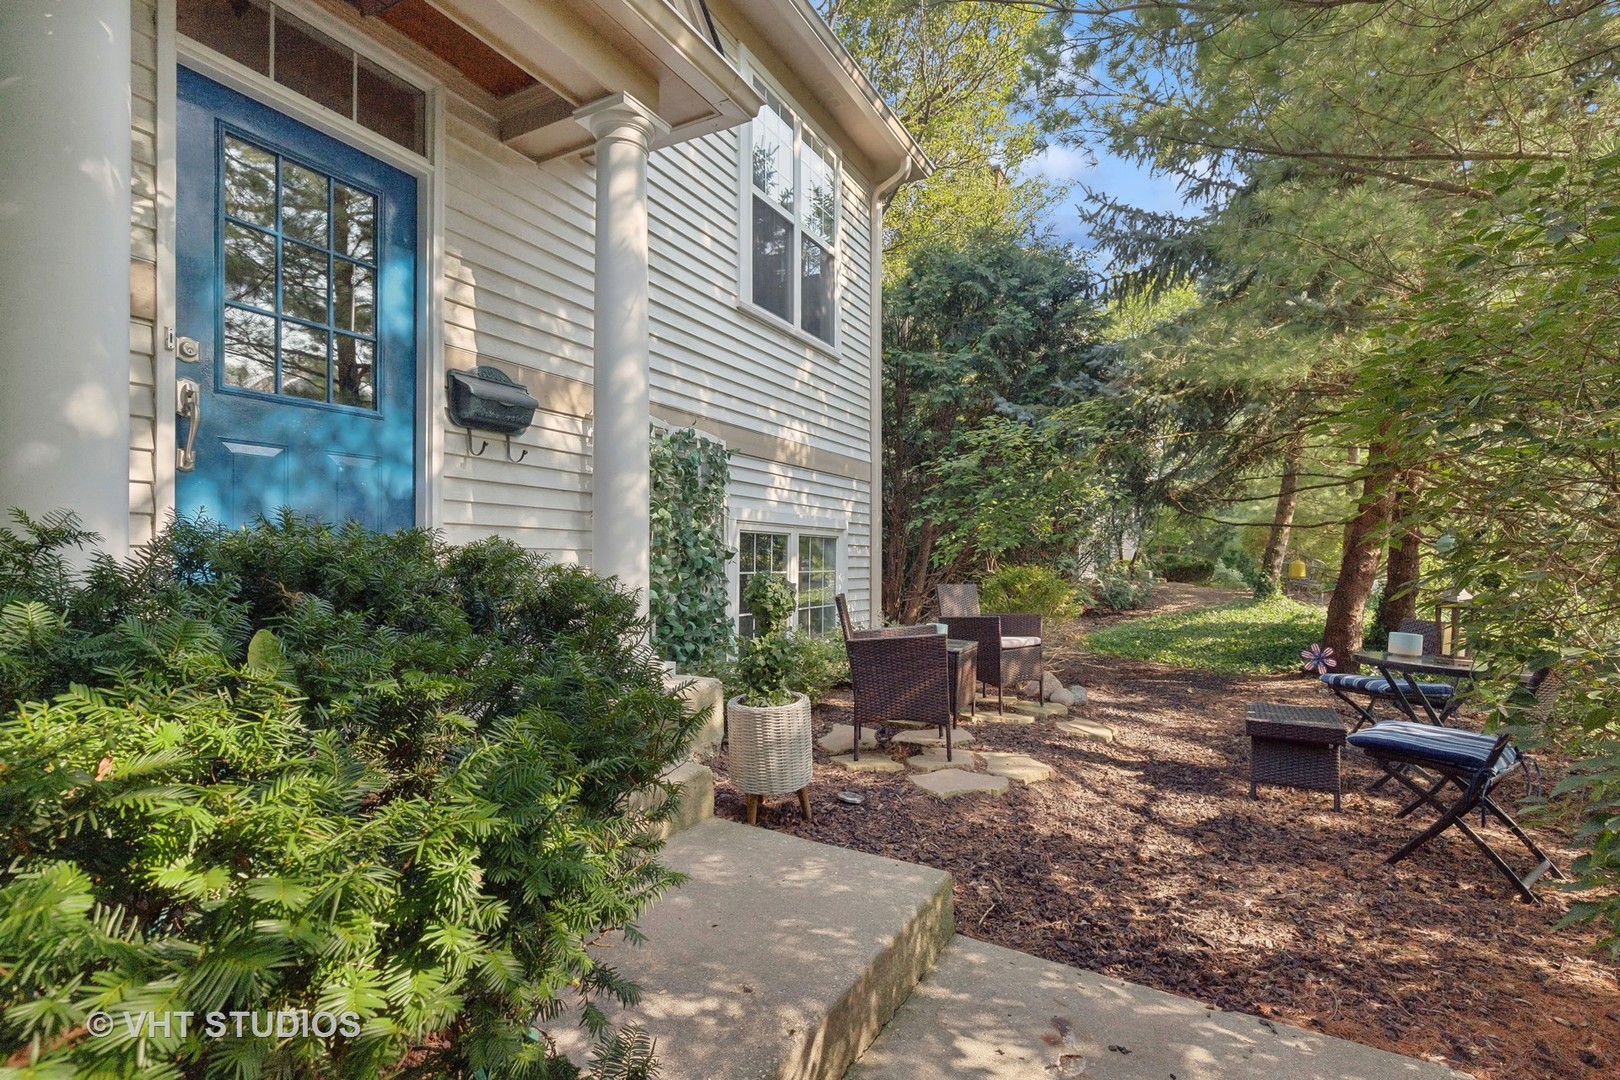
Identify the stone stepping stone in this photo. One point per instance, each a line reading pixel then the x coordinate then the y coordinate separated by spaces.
pixel 993 717
pixel 1087 729
pixel 932 737
pixel 933 760
pixel 1036 709
pixel 841 739
pixel 949 783
pixel 1019 768
pixel 869 763
pixel 912 725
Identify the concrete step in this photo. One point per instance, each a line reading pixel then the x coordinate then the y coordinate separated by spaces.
pixel 988 1013
pixel 694 788
pixel 780 958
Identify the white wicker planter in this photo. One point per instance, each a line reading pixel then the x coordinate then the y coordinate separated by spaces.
pixel 770 747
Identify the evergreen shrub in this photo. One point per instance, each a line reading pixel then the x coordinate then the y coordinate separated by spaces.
pixel 299 767
pixel 1035 590
pixel 1122 588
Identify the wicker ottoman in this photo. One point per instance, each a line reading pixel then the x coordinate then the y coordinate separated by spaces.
pixel 1295 746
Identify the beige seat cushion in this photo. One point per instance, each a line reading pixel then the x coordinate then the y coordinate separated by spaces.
pixel 1019 642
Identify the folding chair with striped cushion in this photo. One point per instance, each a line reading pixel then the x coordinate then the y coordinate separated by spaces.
pixel 1472 763
pixel 1376 688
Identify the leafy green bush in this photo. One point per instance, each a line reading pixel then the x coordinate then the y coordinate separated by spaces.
pixel 815 664
pixel 1191 571
pixel 687 595
pixel 1121 589
pixel 1036 590
pixel 765 661
pixel 1253 637
pixel 1227 576
pixel 307 768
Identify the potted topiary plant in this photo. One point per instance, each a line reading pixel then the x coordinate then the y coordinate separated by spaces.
pixel 768 724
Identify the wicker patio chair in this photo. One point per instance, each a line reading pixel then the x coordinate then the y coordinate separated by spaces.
pixel 897 673
pixel 1009 644
pixel 1364 693
pixel 1472 763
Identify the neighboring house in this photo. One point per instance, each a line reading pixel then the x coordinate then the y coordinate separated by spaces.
pixel 264 230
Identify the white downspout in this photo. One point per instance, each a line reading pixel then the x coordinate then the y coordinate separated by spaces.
pixel 879 200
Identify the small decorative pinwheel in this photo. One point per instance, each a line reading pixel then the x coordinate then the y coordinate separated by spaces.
pixel 1318 659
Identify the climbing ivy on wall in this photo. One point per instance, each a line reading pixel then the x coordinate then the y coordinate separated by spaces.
pixel 687 595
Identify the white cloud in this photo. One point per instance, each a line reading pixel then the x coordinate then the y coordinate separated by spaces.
pixel 1064 164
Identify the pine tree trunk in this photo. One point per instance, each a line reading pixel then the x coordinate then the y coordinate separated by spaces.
pixel 1282 523
pixel 1358 568
pixel 1399 601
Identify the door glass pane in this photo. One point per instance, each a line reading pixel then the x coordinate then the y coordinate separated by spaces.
pixel 321 306
pixel 354 296
pixel 816 289
pixel 354 371
pixel 238 28
pixel 390 107
pixel 303 282
pixel 355 223
pixel 303 204
pixel 314 65
pixel 773 256
pixel 303 361
pixel 250 350
pixel 250 267
pixel 250 183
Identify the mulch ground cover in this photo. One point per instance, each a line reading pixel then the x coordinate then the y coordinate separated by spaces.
pixel 1146 860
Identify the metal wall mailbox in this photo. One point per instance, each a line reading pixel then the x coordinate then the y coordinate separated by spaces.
pixel 485 399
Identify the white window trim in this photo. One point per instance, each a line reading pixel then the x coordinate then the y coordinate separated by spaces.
pixel 745 222
pixel 429 172
pixel 827 525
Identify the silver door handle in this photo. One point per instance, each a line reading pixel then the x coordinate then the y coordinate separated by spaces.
pixel 188 404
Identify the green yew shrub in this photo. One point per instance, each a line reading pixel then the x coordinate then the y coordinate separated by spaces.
pixel 298 767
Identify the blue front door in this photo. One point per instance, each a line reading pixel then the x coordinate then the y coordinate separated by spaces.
pixel 296 277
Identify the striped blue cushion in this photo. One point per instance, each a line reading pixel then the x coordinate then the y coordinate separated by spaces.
pixel 1378 686
pixel 1441 745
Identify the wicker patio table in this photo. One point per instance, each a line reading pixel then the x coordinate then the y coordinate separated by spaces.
pixel 964 661
pixel 1295 746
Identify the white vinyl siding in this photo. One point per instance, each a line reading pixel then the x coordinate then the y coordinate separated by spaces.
pixel 517 292
pixel 518 242
pixel 143 515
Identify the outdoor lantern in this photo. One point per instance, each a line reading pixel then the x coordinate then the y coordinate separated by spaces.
pixel 1448 618
pixel 1297 569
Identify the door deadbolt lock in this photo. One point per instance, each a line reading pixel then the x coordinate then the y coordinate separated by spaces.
pixel 188 350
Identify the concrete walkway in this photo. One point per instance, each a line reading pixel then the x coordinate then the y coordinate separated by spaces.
pixel 988 1013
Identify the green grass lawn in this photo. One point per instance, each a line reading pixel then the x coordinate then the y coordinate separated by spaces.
pixel 1251 637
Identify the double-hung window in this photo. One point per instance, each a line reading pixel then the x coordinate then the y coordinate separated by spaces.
pixel 793 219
pixel 807 561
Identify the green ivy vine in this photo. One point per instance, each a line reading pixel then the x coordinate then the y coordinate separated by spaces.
pixel 687 594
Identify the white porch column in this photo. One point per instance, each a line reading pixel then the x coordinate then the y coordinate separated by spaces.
pixel 621 544
pixel 64 260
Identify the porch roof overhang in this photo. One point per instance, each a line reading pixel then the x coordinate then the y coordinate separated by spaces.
pixel 585 50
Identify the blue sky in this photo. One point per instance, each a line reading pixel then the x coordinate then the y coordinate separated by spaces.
pixel 1105 173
